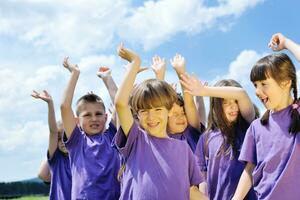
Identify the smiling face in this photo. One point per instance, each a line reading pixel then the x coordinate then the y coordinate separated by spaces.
pixel 154 120
pixel 273 77
pixel 271 94
pixel 230 109
pixel 92 117
pixel 177 121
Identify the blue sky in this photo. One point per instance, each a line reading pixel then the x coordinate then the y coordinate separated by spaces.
pixel 219 39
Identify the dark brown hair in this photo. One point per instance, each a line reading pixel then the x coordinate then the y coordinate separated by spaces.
pixel 217 120
pixel 281 68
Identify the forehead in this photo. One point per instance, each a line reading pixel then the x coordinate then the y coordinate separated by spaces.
pixel 90 107
pixel 229 101
pixel 177 108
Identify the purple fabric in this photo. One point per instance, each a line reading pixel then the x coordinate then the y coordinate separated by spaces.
pixel 276 154
pixel 223 171
pixel 156 168
pixel 60 187
pixel 190 135
pixel 94 165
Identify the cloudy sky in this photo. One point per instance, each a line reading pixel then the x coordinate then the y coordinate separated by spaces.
pixel 218 38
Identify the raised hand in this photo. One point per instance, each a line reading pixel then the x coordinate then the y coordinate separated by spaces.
pixel 159 67
pixel 277 42
pixel 71 67
pixel 45 96
pixel 178 63
pixel 103 72
pixel 127 54
pixel 192 85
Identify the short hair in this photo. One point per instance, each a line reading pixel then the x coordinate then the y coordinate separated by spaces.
pixel 88 98
pixel 152 93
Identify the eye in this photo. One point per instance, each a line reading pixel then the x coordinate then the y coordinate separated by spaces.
pixel 99 114
pixel 255 85
pixel 158 109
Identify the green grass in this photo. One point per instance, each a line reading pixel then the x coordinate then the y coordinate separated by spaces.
pixel 33 198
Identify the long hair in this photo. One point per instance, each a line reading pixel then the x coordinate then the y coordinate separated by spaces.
pixel 217 120
pixel 281 68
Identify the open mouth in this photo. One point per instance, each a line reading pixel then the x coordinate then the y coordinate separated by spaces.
pixel 152 124
pixel 94 126
pixel 264 100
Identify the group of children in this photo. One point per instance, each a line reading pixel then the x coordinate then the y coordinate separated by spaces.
pixel 157 146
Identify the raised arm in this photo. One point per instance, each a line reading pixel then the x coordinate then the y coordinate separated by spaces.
pixel 105 74
pixel 53 130
pixel 178 63
pixel 159 67
pixel 245 183
pixel 279 42
pixel 122 96
pixel 195 87
pixel 67 114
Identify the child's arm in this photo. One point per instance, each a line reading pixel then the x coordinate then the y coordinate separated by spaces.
pixel 195 87
pixel 44 172
pixel 178 64
pixel 245 183
pixel 201 109
pixel 159 67
pixel 67 114
pixel 53 135
pixel 196 194
pixel 122 96
pixel 105 74
pixel 279 42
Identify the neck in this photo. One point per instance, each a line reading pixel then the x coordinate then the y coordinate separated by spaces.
pixel 284 103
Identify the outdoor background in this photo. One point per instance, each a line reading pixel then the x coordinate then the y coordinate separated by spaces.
pixel 218 38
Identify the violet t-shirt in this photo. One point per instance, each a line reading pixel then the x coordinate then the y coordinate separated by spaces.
pixel 276 156
pixel 60 187
pixel 190 135
pixel 223 170
pixel 156 168
pixel 94 165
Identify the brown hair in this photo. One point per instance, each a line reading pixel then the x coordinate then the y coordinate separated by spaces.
pixel 88 98
pixel 152 93
pixel 281 68
pixel 217 120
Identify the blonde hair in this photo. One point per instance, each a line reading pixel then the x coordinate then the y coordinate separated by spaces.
pixel 152 93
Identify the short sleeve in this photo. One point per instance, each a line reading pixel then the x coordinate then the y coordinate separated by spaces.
pixel 124 144
pixel 248 151
pixel 201 153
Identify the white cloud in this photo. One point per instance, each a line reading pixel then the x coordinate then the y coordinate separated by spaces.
pixel 156 21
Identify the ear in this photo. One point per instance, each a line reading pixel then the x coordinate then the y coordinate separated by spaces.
pixel 286 84
pixel 105 117
pixel 76 120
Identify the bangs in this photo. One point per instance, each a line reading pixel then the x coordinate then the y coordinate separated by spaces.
pixel 151 94
pixel 261 70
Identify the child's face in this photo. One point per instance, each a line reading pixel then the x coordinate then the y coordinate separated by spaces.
pixel 177 121
pixel 92 118
pixel 230 109
pixel 271 94
pixel 154 120
pixel 61 146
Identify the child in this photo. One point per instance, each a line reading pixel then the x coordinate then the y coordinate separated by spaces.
pixel 271 147
pixel 94 162
pixel 44 172
pixel 157 167
pixel 183 121
pixel 231 111
pixel 57 155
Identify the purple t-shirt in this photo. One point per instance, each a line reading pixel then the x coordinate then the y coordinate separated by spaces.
pixel 276 156
pixel 223 171
pixel 94 165
pixel 156 168
pixel 60 187
pixel 190 135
